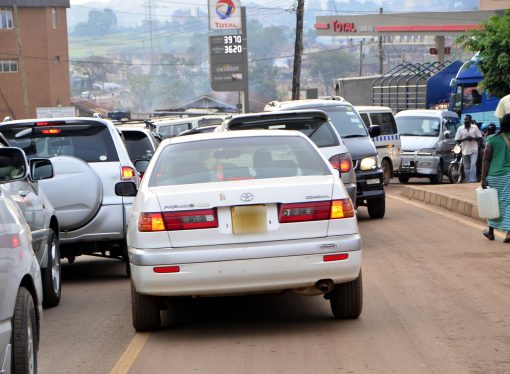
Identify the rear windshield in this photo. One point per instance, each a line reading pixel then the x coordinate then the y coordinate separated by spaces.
pixel 92 142
pixel 218 160
pixel 318 130
pixel 169 131
pixel 138 145
pixel 418 126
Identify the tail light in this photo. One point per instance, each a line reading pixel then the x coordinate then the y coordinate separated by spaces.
pixel 182 220
pixel 148 222
pixel 191 219
pixel 10 241
pixel 315 211
pixel 341 162
pixel 127 173
pixel 52 123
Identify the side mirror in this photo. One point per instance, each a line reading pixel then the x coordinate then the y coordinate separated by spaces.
pixel 447 134
pixel 13 164
pixel 374 130
pixel 125 189
pixel 41 168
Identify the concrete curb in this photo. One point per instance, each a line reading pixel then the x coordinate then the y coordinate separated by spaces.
pixel 443 200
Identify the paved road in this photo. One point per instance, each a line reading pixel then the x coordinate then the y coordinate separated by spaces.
pixel 437 300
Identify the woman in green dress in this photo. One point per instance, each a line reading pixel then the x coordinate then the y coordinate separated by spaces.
pixel 496 174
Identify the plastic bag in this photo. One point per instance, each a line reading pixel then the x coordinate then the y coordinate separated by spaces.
pixel 488 205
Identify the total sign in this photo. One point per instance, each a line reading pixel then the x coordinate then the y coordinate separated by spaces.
pixel 224 14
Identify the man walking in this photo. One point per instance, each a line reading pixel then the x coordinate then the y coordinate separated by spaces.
pixel 468 135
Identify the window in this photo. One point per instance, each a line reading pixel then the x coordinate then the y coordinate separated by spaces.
pixel 6 18
pixel 8 66
pixel 54 18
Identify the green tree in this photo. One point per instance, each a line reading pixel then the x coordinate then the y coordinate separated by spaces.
pixel 95 69
pixel 263 79
pixel 100 22
pixel 328 65
pixel 492 42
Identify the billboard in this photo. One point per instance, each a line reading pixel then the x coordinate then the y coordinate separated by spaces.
pixel 224 14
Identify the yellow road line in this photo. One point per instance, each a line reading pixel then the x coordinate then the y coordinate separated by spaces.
pixel 131 353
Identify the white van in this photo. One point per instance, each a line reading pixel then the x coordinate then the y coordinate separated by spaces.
pixel 388 143
pixel 170 127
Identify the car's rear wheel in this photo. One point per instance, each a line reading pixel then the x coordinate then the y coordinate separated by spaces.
pixel 403 179
pixel 24 334
pixel 145 310
pixel 386 169
pixel 51 275
pixel 376 207
pixel 346 299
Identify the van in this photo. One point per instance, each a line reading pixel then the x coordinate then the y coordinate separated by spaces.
pixel 170 127
pixel 357 138
pixel 388 143
pixel 428 138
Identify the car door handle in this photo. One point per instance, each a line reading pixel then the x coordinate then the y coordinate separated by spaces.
pixel 23 193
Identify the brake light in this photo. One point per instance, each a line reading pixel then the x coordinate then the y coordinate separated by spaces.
pixel 127 173
pixel 300 212
pixel 191 219
pixel 335 257
pixel 51 131
pixel 166 269
pixel 53 123
pixel 151 222
pixel 342 209
pixel 341 162
pixel 10 241
pixel 15 241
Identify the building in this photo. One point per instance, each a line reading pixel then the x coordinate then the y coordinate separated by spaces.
pixel 494 4
pixel 34 58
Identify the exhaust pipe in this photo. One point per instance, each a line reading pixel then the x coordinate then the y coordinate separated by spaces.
pixel 325 285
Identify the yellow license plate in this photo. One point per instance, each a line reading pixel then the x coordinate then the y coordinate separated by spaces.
pixel 249 219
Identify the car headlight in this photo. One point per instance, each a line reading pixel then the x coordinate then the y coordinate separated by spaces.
pixel 427 151
pixel 368 163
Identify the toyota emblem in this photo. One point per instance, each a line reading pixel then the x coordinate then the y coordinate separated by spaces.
pixel 247 196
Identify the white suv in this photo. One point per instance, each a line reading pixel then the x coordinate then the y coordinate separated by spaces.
pixel 89 158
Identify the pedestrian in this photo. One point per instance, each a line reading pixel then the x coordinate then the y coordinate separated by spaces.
pixel 496 174
pixel 467 135
pixel 491 130
pixel 503 107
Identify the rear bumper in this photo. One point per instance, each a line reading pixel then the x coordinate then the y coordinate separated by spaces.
pixel 217 275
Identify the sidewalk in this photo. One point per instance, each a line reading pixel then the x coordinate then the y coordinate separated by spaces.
pixel 459 198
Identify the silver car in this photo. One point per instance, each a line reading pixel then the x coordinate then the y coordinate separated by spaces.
pixel 20 293
pixel 89 157
pixel 20 181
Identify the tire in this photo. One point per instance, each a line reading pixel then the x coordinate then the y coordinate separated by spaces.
pixel 455 174
pixel 403 179
pixel 346 299
pixel 376 207
pixel 52 274
pixel 438 177
pixel 387 171
pixel 145 310
pixel 24 334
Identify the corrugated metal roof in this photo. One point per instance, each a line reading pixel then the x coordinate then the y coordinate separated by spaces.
pixel 35 3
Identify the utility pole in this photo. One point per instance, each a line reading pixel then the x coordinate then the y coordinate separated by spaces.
pixel 361 56
pixel 381 55
pixel 244 32
pixel 298 50
pixel 24 83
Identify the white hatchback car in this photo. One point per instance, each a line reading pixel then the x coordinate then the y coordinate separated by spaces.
pixel 241 212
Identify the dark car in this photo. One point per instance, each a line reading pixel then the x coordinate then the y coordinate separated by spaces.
pixel 119 115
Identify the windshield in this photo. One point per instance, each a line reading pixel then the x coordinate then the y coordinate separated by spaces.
pixel 169 131
pixel 138 145
pixel 218 160
pixel 418 126
pixel 89 141
pixel 318 130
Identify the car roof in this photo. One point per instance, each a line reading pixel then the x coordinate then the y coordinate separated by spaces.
pixel 232 134
pixel 372 108
pixel 241 118
pixel 426 112
pixel 305 103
